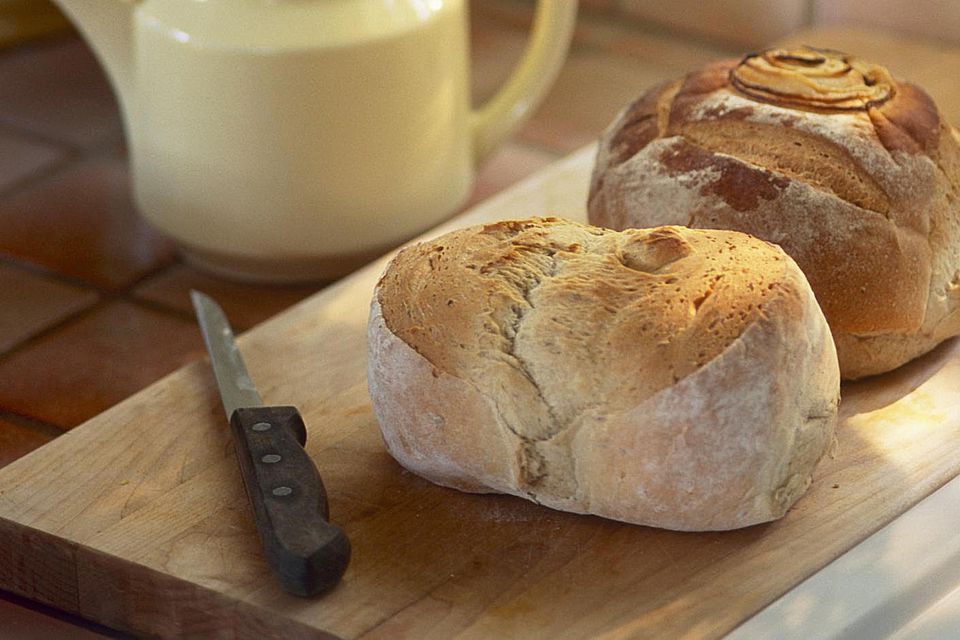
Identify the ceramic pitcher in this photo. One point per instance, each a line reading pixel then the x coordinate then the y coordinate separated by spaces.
pixel 285 140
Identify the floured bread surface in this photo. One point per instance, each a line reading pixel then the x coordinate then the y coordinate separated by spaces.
pixel 673 377
pixel 855 174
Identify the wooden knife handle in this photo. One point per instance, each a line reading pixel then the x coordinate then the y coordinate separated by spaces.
pixel 307 552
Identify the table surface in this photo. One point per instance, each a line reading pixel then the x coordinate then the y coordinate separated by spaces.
pixel 109 289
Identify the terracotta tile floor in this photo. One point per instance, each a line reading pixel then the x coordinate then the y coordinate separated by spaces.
pixel 95 302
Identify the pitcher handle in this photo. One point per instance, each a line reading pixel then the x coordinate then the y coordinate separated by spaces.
pixel 528 84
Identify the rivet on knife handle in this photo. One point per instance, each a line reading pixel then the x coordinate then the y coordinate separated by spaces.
pixel 308 553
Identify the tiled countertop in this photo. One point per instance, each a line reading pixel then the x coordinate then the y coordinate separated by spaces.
pixel 95 303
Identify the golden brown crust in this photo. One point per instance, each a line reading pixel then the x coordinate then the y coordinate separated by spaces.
pixel 662 302
pixel 527 356
pixel 851 171
pixel 909 123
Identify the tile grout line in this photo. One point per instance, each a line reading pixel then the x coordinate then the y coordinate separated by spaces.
pixel 35 424
pixel 159 307
pixel 105 298
pixel 52 328
pixel 149 273
pixel 43 272
pixel 74 281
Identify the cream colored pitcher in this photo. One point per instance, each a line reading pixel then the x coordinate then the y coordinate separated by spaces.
pixel 285 140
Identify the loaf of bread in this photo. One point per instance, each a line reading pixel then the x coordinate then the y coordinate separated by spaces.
pixel 671 377
pixel 853 173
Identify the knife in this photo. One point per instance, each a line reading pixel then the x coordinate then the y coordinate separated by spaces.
pixel 307 552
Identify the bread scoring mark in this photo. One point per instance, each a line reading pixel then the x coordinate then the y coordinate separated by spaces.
pixel 790 152
pixel 641 122
pixel 739 185
pixel 635 134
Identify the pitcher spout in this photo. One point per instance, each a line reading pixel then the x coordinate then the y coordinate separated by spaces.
pixel 107 25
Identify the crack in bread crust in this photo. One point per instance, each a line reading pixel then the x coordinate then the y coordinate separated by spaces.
pixel 532 463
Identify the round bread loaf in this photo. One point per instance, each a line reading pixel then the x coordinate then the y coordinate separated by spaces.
pixel 856 175
pixel 670 377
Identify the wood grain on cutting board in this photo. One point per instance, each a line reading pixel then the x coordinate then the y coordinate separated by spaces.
pixel 137 519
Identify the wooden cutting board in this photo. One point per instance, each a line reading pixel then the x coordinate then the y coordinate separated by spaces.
pixel 137 519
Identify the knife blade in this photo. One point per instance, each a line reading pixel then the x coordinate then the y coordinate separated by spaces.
pixel 307 552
